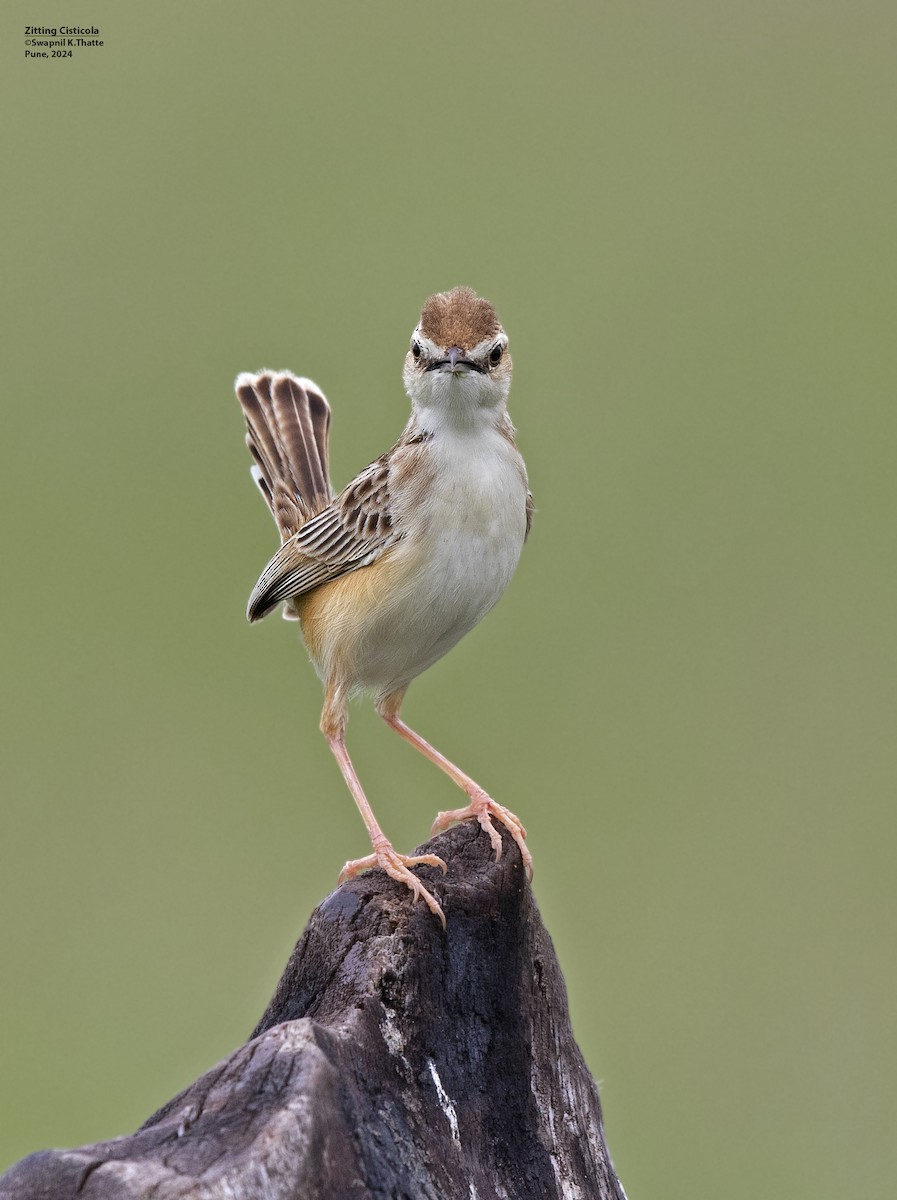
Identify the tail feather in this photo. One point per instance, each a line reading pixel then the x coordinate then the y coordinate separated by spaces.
pixel 287 423
pixel 303 422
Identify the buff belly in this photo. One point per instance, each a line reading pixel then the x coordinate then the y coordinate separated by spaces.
pixel 379 627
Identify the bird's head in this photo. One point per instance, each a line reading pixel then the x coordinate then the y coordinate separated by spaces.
pixel 458 358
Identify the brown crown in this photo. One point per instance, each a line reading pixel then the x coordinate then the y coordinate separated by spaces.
pixel 458 318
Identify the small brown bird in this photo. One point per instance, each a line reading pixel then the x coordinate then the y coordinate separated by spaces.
pixel 387 576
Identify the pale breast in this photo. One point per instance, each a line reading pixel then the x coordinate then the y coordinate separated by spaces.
pixel 465 518
pixel 474 521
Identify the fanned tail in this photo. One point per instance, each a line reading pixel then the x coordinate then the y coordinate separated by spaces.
pixel 287 423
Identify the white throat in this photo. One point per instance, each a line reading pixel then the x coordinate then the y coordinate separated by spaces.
pixel 467 402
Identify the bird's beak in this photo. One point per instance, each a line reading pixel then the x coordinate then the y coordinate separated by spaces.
pixel 458 364
pixel 454 363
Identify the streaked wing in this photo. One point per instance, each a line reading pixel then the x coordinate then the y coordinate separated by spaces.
pixel 351 532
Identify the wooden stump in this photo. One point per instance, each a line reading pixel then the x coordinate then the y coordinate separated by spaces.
pixel 395 1060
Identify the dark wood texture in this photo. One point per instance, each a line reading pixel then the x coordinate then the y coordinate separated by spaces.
pixel 395 1060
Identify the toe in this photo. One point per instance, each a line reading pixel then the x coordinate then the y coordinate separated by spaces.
pixel 486 810
pixel 426 860
pixel 494 836
pixel 355 866
pixel 446 819
pixel 396 867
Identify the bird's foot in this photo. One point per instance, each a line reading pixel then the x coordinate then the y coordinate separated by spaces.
pixel 396 867
pixel 484 808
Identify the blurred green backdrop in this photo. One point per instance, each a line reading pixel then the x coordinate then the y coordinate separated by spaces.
pixel 685 215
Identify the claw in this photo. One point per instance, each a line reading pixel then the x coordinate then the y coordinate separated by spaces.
pixel 484 808
pixel 396 867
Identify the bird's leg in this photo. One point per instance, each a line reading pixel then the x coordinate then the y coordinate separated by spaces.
pixel 333 724
pixel 482 806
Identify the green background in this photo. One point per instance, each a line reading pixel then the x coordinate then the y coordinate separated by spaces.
pixel 685 214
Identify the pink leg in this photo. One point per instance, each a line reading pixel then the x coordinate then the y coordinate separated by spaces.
pixel 481 806
pixel 394 864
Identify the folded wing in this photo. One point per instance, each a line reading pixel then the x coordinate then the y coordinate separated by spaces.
pixel 351 532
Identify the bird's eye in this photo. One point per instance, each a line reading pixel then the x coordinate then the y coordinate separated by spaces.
pixel 415 349
pixel 495 353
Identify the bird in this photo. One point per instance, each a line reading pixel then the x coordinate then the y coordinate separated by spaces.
pixel 387 576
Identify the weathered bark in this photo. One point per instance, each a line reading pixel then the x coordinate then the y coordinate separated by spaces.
pixel 395 1060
